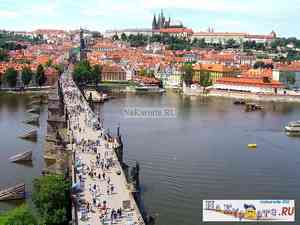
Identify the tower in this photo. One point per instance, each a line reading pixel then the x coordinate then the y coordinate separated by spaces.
pixel 82 46
pixel 154 23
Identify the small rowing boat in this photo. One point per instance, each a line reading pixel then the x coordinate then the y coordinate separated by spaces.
pixel 13 193
pixel 22 157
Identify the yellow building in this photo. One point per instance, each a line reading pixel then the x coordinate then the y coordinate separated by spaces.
pixel 212 72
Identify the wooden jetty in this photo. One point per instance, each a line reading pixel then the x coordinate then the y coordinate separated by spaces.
pixel 22 157
pixel 13 193
pixel 31 135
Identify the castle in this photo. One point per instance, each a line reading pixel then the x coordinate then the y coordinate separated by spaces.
pixel 161 22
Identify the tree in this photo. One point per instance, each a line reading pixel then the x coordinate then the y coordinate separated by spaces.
pixel 51 198
pixel 59 68
pixel 20 216
pixel 3 55
pixel 49 63
pixel 115 37
pixel 82 72
pixel 123 37
pixel 259 64
pixel 230 43
pixel 40 75
pixel 205 80
pixel 187 70
pixel 11 76
pixel 96 74
pixel 26 75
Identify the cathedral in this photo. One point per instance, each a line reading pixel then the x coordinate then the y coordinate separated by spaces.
pixel 161 22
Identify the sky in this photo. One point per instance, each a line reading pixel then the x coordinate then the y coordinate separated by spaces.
pixel 252 16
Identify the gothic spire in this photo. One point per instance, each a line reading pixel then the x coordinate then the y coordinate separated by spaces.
pixel 154 23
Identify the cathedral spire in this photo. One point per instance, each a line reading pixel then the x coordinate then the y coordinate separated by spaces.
pixel 154 23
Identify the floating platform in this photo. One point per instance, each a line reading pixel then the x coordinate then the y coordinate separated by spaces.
pixel 22 157
pixel 31 136
pixel 13 193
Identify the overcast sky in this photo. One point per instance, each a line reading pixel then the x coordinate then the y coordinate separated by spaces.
pixel 252 16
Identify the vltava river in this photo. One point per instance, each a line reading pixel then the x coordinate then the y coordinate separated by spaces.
pixel 200 154
pixel 203 154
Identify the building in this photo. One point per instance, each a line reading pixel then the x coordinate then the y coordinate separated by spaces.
pixel 213 72
pixel 212 37
pixel 161 22
pixel 128 32
pixel 113 73
pixel 251 85
pixel 288 75
pixel 177 32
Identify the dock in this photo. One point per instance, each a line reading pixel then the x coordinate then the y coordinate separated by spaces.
pixel 101 191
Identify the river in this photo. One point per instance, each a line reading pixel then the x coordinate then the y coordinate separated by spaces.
pixel 12 114
pixel 203 154
pixel 200 154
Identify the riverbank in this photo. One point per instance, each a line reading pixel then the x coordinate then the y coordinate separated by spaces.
pixel 30 90
pixel 245 96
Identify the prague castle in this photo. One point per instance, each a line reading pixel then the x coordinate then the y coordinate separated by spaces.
pixel 161 22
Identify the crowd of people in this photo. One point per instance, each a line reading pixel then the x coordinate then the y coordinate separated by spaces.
pixel 94 160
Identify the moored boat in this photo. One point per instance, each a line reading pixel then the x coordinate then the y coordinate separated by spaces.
pixel 13 193
pixel 239 102
pixel 22 157
pixel 293 127
pixel 253 107
pixel 32 136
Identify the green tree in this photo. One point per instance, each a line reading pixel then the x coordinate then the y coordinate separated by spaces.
pixel 82 72
pixel 205 80
pixel 51 198
pixel 40 75
pixel 11 76
pixel 123 37
pixel 59 68
pixel 115 37
pixel 26 75
pixel 21 215
pixel 187 70
pixel 49 63
pixel 3 55
pixel 96 74
pixel 230 43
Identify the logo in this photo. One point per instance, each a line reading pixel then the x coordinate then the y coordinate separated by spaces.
pixel 249 210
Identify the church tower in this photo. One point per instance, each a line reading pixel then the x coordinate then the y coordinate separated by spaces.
pixel 154 23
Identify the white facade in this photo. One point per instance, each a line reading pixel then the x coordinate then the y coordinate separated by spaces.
pixel 247 88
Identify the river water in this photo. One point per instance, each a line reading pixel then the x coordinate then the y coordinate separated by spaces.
pixel 12 114
pixel 203 154
pixel 200 154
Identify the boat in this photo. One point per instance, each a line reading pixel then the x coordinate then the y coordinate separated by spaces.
pixel 293 127
pixel 13 193
pixel 253 107
pixel 252 145
pixel 35 110
pixel 33 121
pixel 239 102
pixel 149 89
pixel 22 157
pixel 31 135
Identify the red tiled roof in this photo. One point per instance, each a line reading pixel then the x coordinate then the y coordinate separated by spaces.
pixel 249 82
pixel 176 30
